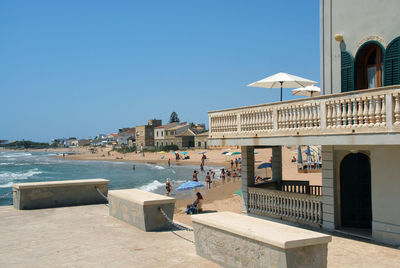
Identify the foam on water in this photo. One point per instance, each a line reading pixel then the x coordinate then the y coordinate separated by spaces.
pixel 151 186
pixel 12 155
pixel 6 185
pixel 11 176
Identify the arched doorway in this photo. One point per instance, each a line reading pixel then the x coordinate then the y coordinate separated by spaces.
pixel 355 191
pixel 368 66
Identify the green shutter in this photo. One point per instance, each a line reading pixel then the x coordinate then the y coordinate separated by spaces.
pixel 347 73
pixel 392 62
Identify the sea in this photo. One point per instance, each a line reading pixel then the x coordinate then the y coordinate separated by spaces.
pixel 22 166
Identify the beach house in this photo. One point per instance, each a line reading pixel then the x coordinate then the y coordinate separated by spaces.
pixel 160 134
pixel 201 140
pixel 356 121
pixel 124 134
pixel 145 134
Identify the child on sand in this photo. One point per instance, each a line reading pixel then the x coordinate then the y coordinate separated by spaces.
pixel 195 176
pixel 208 180
pixel 223 176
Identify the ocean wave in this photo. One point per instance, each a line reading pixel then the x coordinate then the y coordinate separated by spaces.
pixel 151 186
pixel 158 167
pixel 11 176
pixel 6 185
pixel 11 155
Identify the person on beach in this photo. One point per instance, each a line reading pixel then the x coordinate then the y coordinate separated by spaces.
pixel 236 162
pixel 169 162
pixel 202 167
pixel 212 172
pixel 223 176
pixel 231 164
pixel 208 180
pixel 203 158
pixel 195 176
pixel 228 175
pixel 133 167
pixel 196 205
pixel 168 187
pixel 234 175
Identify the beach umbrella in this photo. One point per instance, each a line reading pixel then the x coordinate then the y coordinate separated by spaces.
pixel 228 154
pixel 255 152
pixel 190 185
pixel 224 152
pixel 184 153
pixel 161 152
pixel 235 153
pixel 281 80
pixel 309 91
pixel 265 165
pixel 203 152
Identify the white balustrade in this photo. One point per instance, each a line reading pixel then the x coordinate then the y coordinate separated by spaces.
pixel 362 111
pixel 295 207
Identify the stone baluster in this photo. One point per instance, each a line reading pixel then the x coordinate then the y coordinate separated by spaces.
pixel 378 121
pixel 383 110
pixel 371 115
pixel 365 115
pixel 397 109
pixel 338 114
pixel 333 114
pixel 308 117
pixel 328 115
pixel 284 123
pixel 294 117
pixel 301 114
pixel 360 112
pixel 355 110
pixel 348 105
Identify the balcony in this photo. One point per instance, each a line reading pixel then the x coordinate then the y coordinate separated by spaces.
pixel 344 118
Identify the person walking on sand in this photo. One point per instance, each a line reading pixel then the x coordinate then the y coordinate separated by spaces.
pixel 169 162
pixel 234 175
pixel 236 162
pixel 231 164
pixel 223 176
pixel 202 167
pixel 195 176
pixel 168 187
pixel 208 180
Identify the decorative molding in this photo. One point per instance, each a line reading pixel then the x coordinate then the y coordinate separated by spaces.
pixel 371 38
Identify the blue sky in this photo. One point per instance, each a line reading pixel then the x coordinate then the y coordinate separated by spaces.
pixel 79 68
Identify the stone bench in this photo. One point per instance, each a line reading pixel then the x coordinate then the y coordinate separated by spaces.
pixel 49 194
pixel 235 240
pixel 141 209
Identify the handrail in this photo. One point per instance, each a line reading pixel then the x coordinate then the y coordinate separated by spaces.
pixel 364 111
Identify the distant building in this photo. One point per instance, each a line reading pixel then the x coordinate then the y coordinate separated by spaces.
pixel 84 142
pixel 124 134
pixel 145 134
pixel 185 139
pixel 201 140
pixel 160 134
pixel 170 134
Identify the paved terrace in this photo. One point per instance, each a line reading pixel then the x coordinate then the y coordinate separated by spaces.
pixel 85 236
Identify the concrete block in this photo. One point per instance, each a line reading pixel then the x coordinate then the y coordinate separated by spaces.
pixel 49 194
pixel 328 216
pixel 327 199
pixel 236 240
pixel 327 182
pixel 141 209
pixel 327 191
pixel 327 173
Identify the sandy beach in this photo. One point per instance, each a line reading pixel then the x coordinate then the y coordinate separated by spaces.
pixel 220 197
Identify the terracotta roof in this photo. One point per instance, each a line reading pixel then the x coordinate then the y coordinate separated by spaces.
pixel 178 127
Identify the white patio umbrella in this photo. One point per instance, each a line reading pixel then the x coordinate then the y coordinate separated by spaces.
pixel 309 91
pixel 281 80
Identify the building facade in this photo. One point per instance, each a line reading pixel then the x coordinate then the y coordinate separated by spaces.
pixel 356 121
pixel 201 140
pixel 124 134
pixel 160 134
pixel 145 134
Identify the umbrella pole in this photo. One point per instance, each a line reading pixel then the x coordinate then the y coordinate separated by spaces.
pixel 281 88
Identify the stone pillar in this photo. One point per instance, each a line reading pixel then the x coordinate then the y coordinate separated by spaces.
pixel 328 187
pixel 277 164
pixel 247 174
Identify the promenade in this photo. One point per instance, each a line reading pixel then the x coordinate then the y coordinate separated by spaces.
pixel 85 236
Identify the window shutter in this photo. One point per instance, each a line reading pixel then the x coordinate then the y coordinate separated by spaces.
pixel 347 75
pixel 391 64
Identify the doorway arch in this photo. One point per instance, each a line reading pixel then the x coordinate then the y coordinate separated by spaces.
pixel 355 191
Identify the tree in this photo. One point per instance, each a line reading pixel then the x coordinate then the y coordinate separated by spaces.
pixel 174 118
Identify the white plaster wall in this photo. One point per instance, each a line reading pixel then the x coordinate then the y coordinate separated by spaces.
pixel 385 171
pixel 356 20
